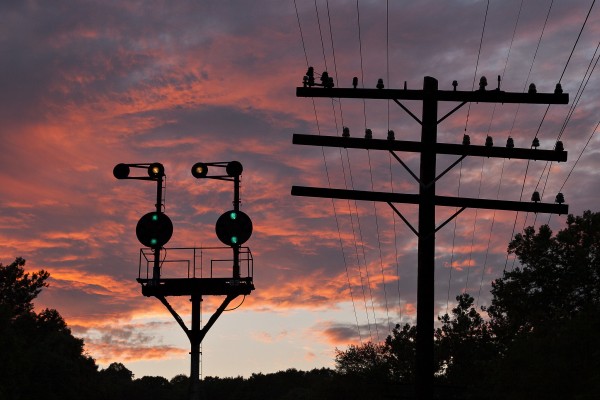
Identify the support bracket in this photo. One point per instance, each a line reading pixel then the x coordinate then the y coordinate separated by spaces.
pixel 451 112
pixel 443 224
pixel 406 168
pixel 408 111
pixel 174 314
pixel 403 219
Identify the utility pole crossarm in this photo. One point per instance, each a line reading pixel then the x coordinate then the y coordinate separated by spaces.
pixel 447 201
pixel 440 148
pixel 478 96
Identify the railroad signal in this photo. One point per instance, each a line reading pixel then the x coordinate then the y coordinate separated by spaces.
pixel 154 229
pixel 234 228
pixel 199 170
pixel 121 171
pixel 233 169
pixel 156 170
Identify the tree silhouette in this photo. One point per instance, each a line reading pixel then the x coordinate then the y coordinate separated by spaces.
pixel 367 360
pixel 538 340
pixel 40 357
pixel 18 289
pixel 400 350
pixel 559 277
pixel 545 314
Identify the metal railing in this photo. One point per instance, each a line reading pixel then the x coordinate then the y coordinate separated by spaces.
pixel 195 262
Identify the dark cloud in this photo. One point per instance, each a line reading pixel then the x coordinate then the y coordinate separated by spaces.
pixel 344 334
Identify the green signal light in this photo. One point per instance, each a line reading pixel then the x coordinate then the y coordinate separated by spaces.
pixel 154 229
pixel 233 228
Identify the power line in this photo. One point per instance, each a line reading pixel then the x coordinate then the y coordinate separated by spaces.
pixel 301 34
pixel 466 124
pixel 577 40
pixel 474 226
pixel 321 35
pixel 580 91
pixel 362 245
pixel 513 124
pixel 559 80
pixel 339 101
pixel 453 240
pixel 327 172
pixel 387 74
pixel 579 157
pixel 376 219
pixel 504 160
pixel 477 62
pixel 387 311
pixel 396 245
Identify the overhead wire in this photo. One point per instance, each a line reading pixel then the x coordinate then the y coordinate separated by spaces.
pixel 396 248
pixel 453 243
pixel 358 261
pixel 579 157
pixel 559 81
pixel 577 40
pixel 373 189
pixel 487 252
pixel 348 201
pixel 301 34
pixel 582 86
pixel 328 178
pixel 387 73
pixel 466 125
pixel 345 178
pixel 569 116
pixel 371 175
pixel 379 247
pixel 474 228
pixel 579 93
pixel 513 125
pixel 477 62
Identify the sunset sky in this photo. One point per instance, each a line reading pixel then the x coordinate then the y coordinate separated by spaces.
pixel 89 84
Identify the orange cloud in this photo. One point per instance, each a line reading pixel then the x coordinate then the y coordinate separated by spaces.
pixel 105 353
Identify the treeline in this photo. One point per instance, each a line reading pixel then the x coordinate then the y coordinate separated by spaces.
pixel 41 359
pixel 292 384
pixel 537 339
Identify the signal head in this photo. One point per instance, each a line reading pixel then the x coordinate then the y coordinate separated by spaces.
pixel 156 170
pixel 121 171
pixel 234 168
pixel 234 228
pixel 154 229
pixel 199 170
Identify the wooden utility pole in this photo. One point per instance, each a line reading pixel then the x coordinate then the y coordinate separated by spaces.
pixel 426 199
